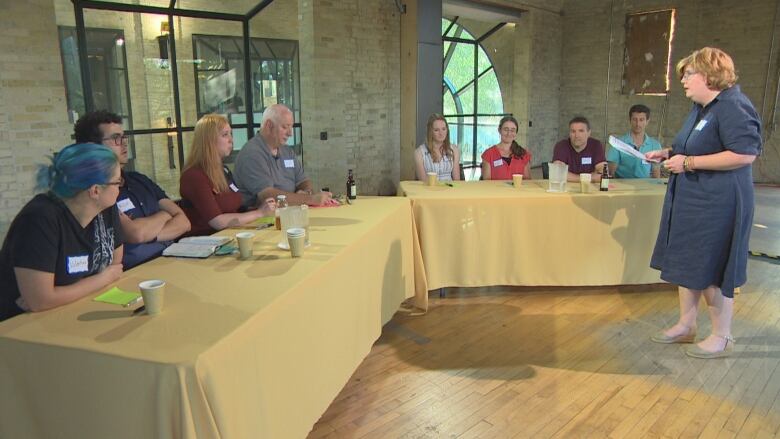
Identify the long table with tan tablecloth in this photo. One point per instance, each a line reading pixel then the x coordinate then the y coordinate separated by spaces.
pixel 243 349
pixel 489 233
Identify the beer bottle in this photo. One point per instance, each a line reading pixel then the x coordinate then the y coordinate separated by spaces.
pixel 281 203
pixel 604 186
pixel 351 186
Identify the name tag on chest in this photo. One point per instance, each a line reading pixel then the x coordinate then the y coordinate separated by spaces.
pixel 78 264
pixel 497 163
pixel 233 187
pixel 125 204
pixel 289 163
pixel 587 160
pixel 702 123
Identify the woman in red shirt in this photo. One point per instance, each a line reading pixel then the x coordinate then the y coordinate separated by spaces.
pixel 210 198
pixel 500 161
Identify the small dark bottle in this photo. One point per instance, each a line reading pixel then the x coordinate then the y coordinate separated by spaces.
pixel 351 186
pixel 604 186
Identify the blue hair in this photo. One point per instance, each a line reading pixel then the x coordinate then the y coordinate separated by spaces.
pixel 77 167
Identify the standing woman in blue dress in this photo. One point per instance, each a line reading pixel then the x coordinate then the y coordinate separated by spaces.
pixel 702 243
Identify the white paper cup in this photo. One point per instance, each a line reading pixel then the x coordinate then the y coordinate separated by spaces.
pixel 153 292
pixel 245 241
pixel 585 182
pixel 296 238
pixel 517 180
pixel 432 179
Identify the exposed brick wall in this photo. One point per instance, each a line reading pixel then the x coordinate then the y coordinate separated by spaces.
pixel 742 29
pixel 33 118
pixel 350 80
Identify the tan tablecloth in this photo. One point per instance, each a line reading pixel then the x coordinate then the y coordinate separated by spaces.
pixel 489 233
pixel 243 349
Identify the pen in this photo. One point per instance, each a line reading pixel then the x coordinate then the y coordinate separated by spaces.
pixel 450 184
pixel 133 302
pixel 139 310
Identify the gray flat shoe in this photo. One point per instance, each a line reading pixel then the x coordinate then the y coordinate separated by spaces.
pixel 660 337
pixel 697 352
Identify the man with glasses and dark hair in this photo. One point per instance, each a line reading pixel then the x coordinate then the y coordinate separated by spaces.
pixel 150 220
pixel 623 165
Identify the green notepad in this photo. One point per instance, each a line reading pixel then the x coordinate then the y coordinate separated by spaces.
pixel 117 297
pixel 265 220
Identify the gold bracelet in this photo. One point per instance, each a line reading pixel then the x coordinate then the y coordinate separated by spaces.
pixel 688 164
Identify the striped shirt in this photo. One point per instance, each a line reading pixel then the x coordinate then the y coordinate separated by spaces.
pixel 443 168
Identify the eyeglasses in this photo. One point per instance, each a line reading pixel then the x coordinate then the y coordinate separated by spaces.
pixel 121 182
pixel 118 139
pixel 687 74
pixel 508 130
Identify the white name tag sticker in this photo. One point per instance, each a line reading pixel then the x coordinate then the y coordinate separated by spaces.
pixel 497 163
pixel 702 123
pixel 125 204
pixel 233 187
pixel 78 264
pixel 587 160
pixel 289 163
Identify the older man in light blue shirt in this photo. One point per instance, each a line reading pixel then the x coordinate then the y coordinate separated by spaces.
pixel 623 165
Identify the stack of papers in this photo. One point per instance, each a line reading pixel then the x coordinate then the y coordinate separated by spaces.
pixel 196 246
pixel 626 148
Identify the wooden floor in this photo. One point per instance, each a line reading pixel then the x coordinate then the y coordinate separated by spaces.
pixel 505 362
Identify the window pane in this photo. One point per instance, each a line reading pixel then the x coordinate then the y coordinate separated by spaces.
pixel 156 157
pixel 212 66
pixel 487 132
pixel 490 94
pixel 483 60
pixel 449 104
pixel 466 100
pixel 460 68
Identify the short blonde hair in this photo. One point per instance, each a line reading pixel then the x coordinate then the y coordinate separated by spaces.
pixel 715 64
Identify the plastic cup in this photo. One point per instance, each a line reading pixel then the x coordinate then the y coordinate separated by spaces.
pixel 585 183
pixel 432 179
pixel 153 292
pixel 245 241
pixel 296 238
pixel 517 180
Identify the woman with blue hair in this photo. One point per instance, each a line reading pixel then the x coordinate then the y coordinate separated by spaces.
pixel 66 243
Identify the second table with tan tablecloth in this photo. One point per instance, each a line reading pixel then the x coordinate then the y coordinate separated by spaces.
pixel 489 233
pixel 243 349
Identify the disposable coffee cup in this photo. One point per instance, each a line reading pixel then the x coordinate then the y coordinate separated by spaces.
pixel 517 180
pixel 153 292
pixel 585 182
pixel 296 238
pixel 245 241
pixel 432 178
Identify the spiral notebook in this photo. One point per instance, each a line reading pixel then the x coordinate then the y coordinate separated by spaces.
pixel 196 246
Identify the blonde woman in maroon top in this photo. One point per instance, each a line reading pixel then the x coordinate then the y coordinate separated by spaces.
pixel 500 161
pixel 210 198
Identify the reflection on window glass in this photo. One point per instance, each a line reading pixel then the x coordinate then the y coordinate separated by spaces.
pixel 220 85
pixel 470 100
pixel 107 72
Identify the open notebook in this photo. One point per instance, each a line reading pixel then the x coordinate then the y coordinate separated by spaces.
pixel 196 246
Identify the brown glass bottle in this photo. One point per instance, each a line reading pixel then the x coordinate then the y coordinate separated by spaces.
pixel 351 186
pixel 281 203
pixel 604 185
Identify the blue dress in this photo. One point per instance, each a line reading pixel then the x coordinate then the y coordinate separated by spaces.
pixel 707 215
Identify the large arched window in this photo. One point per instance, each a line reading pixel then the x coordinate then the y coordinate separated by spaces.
pixel 473 104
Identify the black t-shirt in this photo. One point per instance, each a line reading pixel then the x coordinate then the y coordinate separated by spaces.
pixel 45 236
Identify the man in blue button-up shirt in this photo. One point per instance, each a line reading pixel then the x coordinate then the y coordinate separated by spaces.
pixel 150 220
